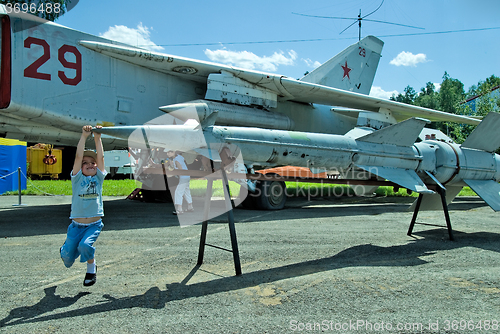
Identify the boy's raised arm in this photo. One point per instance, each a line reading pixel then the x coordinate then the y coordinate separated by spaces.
pixel 77 165
pixel 99 150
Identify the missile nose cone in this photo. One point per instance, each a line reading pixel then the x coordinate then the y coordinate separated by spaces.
pixel 187 110
pixel 173 107
pixel 187 106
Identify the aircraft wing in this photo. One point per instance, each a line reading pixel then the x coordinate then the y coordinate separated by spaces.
pixel 196 70
pixel 305 92
pixel 284 87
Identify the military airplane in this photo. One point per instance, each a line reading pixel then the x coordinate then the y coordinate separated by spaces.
pixel 54 80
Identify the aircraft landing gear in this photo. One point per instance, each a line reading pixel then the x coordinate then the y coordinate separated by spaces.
pixel 272 195
pixel 268 195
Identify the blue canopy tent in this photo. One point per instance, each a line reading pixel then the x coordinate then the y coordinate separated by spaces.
pixel 12 156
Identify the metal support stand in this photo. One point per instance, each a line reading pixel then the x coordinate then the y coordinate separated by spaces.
pixel 204 225
pixel 442 193
pixel 230 218
pixel 19 187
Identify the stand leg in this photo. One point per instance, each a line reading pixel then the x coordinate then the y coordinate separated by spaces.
pixel 442 193
pixel 232 229
pixel 230 218
pixel 204 226
pixel 203 239
pixel 446 213
pixel 415 213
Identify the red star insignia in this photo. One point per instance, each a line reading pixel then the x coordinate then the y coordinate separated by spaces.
pixel 346 71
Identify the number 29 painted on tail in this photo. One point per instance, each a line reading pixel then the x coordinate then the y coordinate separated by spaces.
pixel 32 71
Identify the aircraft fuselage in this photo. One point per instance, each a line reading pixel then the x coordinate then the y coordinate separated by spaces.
pixel 52 85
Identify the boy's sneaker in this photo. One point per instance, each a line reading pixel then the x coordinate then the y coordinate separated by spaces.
pixel 90 279
pixel 60 253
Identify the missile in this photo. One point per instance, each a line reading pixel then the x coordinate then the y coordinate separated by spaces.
pixel 229 114
pixel 176 137
pixel 390 153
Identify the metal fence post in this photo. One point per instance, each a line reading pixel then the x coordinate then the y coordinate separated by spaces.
pixel 19 186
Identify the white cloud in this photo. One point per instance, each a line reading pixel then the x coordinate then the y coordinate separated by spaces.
pixel 437 86
pixel 380 93
pixel 310 63
pixel 250 60
pixel 138 37
pixel 408 59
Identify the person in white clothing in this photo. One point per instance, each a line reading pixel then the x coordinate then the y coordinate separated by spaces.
pixel 182 191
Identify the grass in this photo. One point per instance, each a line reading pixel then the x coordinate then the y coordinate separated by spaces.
pixel 337 190
pixel 115 188
pixel 316 189
pixel 125 187
pixel 198 188
pixel 63 187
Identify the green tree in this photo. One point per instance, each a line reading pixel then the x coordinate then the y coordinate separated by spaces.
pixel 408 97
pixel 40 8
pixel 428 97
pixel 481 100
pixel 452 98
pixel 484 97
pixel 451 94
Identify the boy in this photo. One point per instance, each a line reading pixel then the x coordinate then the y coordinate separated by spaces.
pixel 87 178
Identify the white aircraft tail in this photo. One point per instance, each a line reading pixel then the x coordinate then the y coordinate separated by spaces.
pixel 352 69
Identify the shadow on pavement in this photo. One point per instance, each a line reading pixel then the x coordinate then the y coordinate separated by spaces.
pixel 406 255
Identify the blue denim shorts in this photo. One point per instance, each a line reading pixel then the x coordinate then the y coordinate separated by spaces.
pixel 79 242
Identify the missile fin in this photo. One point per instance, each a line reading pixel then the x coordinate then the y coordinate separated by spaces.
pixel 431 202
pixel 488 190
pixel 485 136
pixel 404 133
pixel 404 177
pixel 210 120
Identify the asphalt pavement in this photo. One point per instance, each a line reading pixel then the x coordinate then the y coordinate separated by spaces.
pixel 340 265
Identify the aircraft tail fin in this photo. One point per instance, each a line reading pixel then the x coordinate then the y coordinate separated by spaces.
pixel 352 69
pixel 485 136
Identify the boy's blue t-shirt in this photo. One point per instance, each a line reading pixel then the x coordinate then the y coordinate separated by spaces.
pixel 87 195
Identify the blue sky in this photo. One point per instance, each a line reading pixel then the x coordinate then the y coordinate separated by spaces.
pixel 218 31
